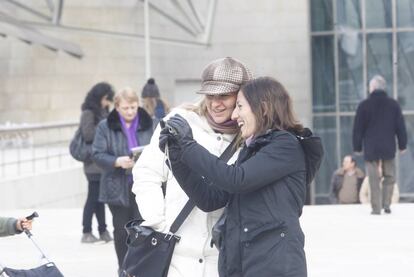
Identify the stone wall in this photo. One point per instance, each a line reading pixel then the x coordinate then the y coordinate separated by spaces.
pixel 63 188
pixel 38 85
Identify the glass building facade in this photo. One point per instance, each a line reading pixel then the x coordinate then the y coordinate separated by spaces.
pixel 353 40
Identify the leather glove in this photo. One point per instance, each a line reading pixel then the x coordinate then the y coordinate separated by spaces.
pixel 164 139
pixel 174 150
pixel 181 130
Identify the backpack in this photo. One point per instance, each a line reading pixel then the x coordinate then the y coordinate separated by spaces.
pixel 79 149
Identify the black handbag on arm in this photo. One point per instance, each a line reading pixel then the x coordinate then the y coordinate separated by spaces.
pixel 149 252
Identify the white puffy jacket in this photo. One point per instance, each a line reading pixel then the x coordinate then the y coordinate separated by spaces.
pixel 193 255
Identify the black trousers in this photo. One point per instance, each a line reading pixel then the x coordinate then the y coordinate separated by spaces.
pixel 93 206
pixel 120 216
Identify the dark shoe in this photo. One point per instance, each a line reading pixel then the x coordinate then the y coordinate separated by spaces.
pixel 105 236
pixel 375 213
pixel 387 210
pixel 88 238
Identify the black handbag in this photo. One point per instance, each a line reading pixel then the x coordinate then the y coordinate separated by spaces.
pixel 149 252
pixel 79 149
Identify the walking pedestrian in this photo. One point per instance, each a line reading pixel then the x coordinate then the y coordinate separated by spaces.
pixel 378 122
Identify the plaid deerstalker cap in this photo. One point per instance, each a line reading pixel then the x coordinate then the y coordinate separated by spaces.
pixel 224 76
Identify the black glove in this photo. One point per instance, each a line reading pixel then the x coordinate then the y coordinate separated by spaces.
pixel 180 129
pixel 164 139
pixel 174 150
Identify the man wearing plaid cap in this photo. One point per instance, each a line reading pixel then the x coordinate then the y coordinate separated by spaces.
pixel 212 127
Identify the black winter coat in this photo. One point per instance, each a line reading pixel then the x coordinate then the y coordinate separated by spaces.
pixel 264 192
pixel 378 121
pixel 109 144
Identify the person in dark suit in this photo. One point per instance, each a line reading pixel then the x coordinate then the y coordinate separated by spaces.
pixel 378 121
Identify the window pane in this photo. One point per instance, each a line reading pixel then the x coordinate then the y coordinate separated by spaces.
pixel 321 15
pixel 406 162
pixel 406 70
pixel 379 50
pixel 325 127
pixel 378 13
pixel 323 77
pixel 405 13
pixel 345 137
pixel 349 14
pixel 351 87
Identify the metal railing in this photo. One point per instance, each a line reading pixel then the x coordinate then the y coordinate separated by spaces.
pixel 35 148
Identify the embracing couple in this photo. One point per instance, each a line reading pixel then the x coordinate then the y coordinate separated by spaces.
pixel 262 186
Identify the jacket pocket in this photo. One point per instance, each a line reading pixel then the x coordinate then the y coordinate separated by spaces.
pixel 253 234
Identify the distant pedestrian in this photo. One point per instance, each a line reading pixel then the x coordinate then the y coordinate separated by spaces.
pixel 152 102
pixel 126 127
pixel 346 182
pixel 94 108
pixel 378 122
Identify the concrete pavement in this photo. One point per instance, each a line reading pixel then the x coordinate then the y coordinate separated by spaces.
pixel 341 241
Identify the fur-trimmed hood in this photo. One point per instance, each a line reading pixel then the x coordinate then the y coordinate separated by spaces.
pixel 145 120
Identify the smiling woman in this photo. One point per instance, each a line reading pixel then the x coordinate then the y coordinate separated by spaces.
pixel 263 192
pixel 244 116
pixel 220 107
pixel 213 128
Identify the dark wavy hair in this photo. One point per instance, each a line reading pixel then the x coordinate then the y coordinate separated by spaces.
pixel 94 97
pixel 271 104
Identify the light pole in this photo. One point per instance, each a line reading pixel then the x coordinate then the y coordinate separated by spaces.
pixel 147 41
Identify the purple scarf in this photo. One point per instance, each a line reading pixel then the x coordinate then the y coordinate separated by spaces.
pixel 130 132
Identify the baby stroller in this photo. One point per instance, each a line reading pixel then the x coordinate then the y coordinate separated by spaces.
pixel 46 270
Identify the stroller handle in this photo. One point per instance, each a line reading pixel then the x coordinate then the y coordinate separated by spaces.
pixel 33 215
pixel 30 217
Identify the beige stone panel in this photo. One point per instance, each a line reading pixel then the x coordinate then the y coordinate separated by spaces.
pixel 101 3
pixel 17 83
pixel 87 17
pixel 66 114
pixel 61 101
pixel 54 189
pixel 16 101
pixel 38 101
pixel 5 50
pixel 18 116
pixel 19 67
pixel 43 67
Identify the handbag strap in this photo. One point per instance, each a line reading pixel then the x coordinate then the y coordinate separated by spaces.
pixel 189 206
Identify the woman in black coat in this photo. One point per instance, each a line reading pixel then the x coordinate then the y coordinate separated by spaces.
pixel 265 190
pixel 94 109
pixel 127 126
